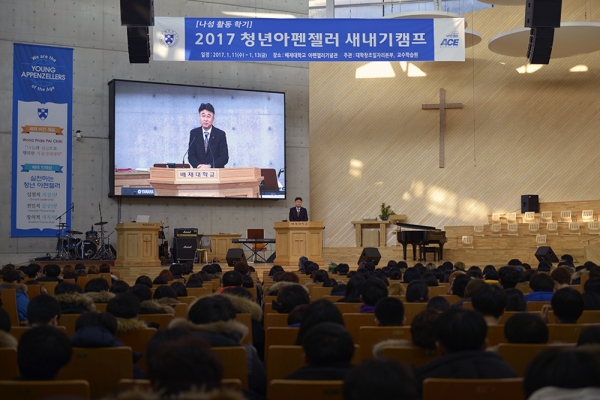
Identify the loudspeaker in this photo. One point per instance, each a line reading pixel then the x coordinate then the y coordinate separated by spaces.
pixel 370 254
pixel 530 203
pixel 545 253
pixel 235 255
pixel 184 249
pixel 138 45
pixel 137 12
pixel 540 45
pixel 542 13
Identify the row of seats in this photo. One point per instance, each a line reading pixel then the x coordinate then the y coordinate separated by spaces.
pixel 544 216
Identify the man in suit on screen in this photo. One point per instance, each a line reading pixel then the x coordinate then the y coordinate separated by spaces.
pixel 208 145
pixel 298 213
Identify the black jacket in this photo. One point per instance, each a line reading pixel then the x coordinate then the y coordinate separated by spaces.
pixel 333 372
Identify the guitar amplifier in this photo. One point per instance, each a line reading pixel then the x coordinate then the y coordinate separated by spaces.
pixel 184 248
pixel 185 232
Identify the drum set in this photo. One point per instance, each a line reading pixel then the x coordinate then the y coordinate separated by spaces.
pixel 96 245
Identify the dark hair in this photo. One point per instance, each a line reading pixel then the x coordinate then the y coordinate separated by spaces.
pixel 97 319
pixel 459 284
pixel 562 275
pixel 160 280
pixel 541 283
pixel 567 305
pixel 526 328
pixel 475 272
pixel 32 270
pixel 274 269
pixel 11 275
pixel 179 289
pixel 141 291
pixel 430 279
pixel 460 329
pixel 395 274
pixel 52 270
pixel 193 283
pixel 438 303
pixel 238 291
pixel 211 309
pixel 176 269
pixel 96 285
pixel 592 285
pixel 328 343
pixel 381 380
pixel 320 276
pixel 489 300
pixel 590 335
pixel 181 362
pixel 373 290
pixel 42 352
pixel 354 289
pixel 42 309
pixel 318 311
pixel 5 323
pixel 515 300
pixel 289 297
pixel 509 277
pixel 206 106
pixel 164 291
pixel 119 287
pixel 591 300
pixel 342 269
pixel 65 287
pixel 298 198
pixel 569 369
pixel 411 274
pixel 389 311
pixel 144 280
pixel 417 292
pixel 124 305
pixel 422 329
pixel 232 278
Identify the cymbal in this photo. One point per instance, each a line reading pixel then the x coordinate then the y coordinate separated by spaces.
pixel 101 223
pixel 75 232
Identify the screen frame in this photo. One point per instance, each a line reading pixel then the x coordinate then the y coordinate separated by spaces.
pixel 112 139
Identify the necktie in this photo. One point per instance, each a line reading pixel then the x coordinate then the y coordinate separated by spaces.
pixel 298 211
pixel 205 142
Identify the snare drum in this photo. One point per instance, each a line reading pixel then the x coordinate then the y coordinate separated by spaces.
pixel 92 236
pixel 86 249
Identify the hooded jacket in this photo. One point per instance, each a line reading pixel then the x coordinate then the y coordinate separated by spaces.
pixel 100 297
pixel 273 290
pixel 154 307
pixel 247 306
pixel 75 303
pixel 7 340
pixel 22 298
pixel 125 325
pixel 227 334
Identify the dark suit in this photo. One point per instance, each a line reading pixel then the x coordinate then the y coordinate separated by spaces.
pixel 217 154
pixel 295 217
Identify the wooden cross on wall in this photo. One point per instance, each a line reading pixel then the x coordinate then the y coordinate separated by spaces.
pixel 442 107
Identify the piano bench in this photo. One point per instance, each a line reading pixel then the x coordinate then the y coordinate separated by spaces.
pixel 429 249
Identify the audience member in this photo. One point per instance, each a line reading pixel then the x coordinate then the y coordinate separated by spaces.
pixel 417 292
pixel 515 300
pixel 231 279
pixel 176 270
pixel 353 290
pixel 490 301
pixel 438 303
pixel 179 288
pixel 144 280
pixel 509 277
pixel 381 380
pixel 147 305
pixel 72 300
pixel 459 285
pixel 542 288
pixel 42 352
pixel 567 305
pixel 289 297
pixel 318 311
pixel 51 274
pixel 6 339
pixel 526 328
pixel 44 310
pixel 422 329
pixel 591 300
pixel 372 291
pixel 12 280
pixel 242 301
pixel 562 277
pixel 125 307
pixel 389 311
pixel 97 289
pixel 590 336
pixel 165 295
pixel 119 286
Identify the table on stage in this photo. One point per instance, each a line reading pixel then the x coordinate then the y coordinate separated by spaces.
pixel 296 239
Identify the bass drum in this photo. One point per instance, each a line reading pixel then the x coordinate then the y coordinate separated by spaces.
pixel 63 244
pixel 92 236
pixel 87 249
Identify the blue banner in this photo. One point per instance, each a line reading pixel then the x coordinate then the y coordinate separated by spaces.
pixel 265 39
pixel 41 139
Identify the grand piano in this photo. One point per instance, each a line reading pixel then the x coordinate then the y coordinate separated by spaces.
pixel 421 236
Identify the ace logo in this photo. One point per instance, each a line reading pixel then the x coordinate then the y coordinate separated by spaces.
pixel 450 43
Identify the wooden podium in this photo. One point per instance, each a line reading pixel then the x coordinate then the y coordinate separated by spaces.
pixel 296 239
pixel 206 182
pixel 137 244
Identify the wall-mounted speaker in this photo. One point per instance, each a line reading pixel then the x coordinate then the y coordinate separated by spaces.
pixel 184 249
pixel 138 45
pixel 540 45
pixel 235 255
pixel 370 254
pixel 137 12
pixel 542 13
pixel 530 203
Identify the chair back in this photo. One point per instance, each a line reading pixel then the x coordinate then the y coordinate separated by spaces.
pixel 9 369
pixel 138 341
pixel 513 229
pixel 546 216
pixel 552 228
pixel 348 307
pixel 354 321
pixel 467 242
pixel 69 321
pixel 50 285
pixel 35 390
pixel 473 389
pixel 281 389
pixel 332 299
pixel 565 216
pixel 276 320
pixel 410 356
pixel 162 320
pixel 593 227
pixel 317 292
pixel 103 368
pixel 536 305
pixel 511 218
pixel 478 230
pixel 520 355
pixel 9 304
pixel 369 336
pixel 497 229
pixel 33 291
pixel 245 319
pixel 565 333
pixel 18 331
pixel 495 335
pixel 199 292
pixel 529 217
pixel 283 360
pixel 205 242
pixel 540 240
pixel 234 363
pixel 587 215
pixel 574 228
pixel 534 228
pixel 280 336
pixel 412 309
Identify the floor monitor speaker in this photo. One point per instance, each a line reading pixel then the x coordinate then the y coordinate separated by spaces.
pixel 545 253
pixel 235 255
pixel 370 254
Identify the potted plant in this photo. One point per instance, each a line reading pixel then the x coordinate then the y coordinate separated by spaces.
pixel 386 211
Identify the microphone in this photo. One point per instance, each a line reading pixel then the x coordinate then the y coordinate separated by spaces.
pixel 72 207
pixel 280 172
pixel 212 155
pixel 191 143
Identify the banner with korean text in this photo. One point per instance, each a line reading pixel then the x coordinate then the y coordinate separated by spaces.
pixel 308 39
pixel 41 139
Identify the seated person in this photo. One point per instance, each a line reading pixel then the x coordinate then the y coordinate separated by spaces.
pixel 318 311
pixel 562 277
pixel 231 279
pixel 42 352
pixel 177 271
pixel 6 339
pixel 526 328
pixel 438 303
pixel 353 290
pixel 461 341
pixel 515 300
pixel 71 299
pixel 44 310
pixel 509 277
pixel 372 291
pixel 12 280
pixel 147 305
pixel 289 297
pixel 51 274
pixel 417 292
pixel 97 289
pixel 328 350
pixel 567 304
pixel 381 380
pixel 489 301
pixel 125 307
pixel 389 311
pixel 33 272
pixel 542 288
pixel 165 295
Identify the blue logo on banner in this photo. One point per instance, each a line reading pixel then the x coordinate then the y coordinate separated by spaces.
pixel 42 167
pixel 42 113
pixel 169 38
pixel 451 40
